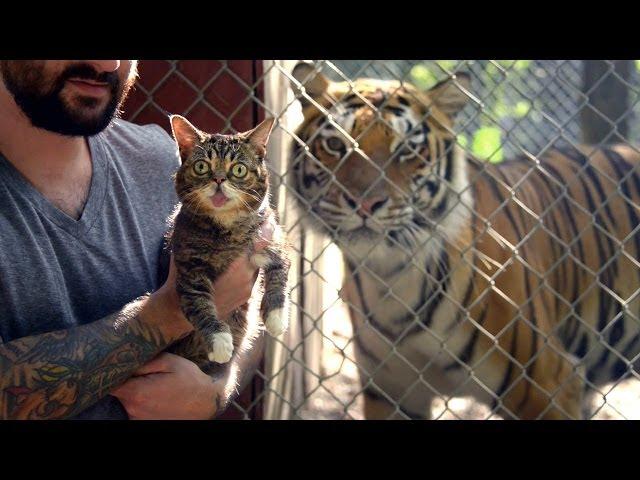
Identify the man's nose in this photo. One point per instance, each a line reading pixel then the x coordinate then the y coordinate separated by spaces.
pixel 105 65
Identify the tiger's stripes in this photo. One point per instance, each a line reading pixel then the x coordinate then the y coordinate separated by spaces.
pixel 515 283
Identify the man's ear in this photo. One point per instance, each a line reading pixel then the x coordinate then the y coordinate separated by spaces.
pixel 315 83
pixel 259 136
pixel 186 135
pixel 449 95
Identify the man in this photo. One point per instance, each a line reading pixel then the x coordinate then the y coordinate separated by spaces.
pixel 84 200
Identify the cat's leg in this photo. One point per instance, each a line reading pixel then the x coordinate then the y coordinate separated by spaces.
pixel 196 302
pixel 274 307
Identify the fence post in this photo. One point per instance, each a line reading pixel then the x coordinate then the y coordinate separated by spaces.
pixel 608 100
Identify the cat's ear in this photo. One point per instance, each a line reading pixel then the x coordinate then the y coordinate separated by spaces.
pixel 186 135
pixel 259 136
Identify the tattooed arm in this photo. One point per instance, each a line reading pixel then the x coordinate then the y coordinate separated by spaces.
pixel 59 374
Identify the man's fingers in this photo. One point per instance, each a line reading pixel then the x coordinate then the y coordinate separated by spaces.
pixel 172 271
pixel 265 234
pixel 163 363
pixel 127 389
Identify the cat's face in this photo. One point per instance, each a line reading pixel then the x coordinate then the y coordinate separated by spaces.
pixel 221 176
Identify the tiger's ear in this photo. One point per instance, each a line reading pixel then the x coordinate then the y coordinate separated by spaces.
pixel 452 94
pixel 259 136
pixel 315 83
pixel 186 135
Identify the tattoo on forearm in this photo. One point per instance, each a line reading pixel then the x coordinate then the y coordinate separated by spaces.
pixel 59 374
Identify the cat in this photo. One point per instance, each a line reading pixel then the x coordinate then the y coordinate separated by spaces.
pixel 223 187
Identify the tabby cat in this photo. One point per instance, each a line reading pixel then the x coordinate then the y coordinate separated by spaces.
pixel 514 283
pixel 223 186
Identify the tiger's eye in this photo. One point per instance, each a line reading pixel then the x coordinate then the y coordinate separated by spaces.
pixel 239 170
pixel 201 167
pixel 334 144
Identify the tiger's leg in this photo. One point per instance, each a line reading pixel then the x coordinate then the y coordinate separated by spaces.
pixel 556 392
pixel 380 376
pixel 590 400
pixel 378 407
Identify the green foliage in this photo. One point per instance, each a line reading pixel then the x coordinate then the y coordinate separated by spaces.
pixel 462 140
pixel 487 139
pixel 422 77
pixel 487 144
pixel 521 109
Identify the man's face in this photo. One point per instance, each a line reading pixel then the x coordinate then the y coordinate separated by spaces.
pixel 69 97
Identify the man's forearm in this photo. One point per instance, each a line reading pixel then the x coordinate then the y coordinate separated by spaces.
pixel 59 374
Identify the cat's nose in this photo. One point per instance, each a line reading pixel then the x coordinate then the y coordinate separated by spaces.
pixel 219 178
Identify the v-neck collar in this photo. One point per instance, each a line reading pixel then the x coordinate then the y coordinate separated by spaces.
pixel 97 190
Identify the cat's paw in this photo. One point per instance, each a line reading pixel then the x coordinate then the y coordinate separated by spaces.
pixel 260 260
pixel 276 322
pixel 221 347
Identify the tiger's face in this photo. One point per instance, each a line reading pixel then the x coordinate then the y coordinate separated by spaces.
pixel 381 162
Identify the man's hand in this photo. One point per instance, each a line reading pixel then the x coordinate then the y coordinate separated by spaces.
pixel 170 387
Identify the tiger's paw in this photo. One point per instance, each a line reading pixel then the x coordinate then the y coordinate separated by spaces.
pixel 221 347
pixel 276 322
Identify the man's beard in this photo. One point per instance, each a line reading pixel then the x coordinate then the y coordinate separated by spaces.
pixel 41 100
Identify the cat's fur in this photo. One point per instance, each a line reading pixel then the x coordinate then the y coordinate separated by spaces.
pixel 210 231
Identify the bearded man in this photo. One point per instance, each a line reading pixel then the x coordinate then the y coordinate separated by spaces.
pixel 84 199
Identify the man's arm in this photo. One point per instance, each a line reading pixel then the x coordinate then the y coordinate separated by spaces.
pixel 59 374
pixel 170 387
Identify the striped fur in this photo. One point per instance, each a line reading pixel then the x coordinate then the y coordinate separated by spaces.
pixel 512 283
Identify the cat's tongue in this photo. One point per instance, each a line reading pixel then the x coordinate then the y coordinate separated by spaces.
pixel 219 199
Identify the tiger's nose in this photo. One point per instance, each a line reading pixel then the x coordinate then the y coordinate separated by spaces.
pixel 368 206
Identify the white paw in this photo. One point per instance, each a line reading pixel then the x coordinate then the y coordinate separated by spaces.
pixel 260 260
pixel 222 347
pixel 276 322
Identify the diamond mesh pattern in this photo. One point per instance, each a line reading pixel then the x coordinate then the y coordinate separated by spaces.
pixel 520 107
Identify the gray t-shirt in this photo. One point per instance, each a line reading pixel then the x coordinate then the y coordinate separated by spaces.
pixel 57 272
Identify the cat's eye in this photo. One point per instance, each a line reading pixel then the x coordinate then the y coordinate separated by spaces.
pixel 239 170
pixel 201 167
pixel 334 145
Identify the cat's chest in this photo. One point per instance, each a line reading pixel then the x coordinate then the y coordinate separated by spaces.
pixel 195 245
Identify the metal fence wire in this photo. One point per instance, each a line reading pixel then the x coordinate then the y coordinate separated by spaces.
pixel 468 253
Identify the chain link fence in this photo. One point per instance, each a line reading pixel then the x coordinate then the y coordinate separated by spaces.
pixel 345 355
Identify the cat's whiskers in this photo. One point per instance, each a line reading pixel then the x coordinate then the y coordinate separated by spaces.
pixel 238 196
pixel 256 197
pixel 194 199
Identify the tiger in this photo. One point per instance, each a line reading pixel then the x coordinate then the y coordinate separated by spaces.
pixel 513 283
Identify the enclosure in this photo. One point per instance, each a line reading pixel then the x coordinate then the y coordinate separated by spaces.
pixel 514 108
